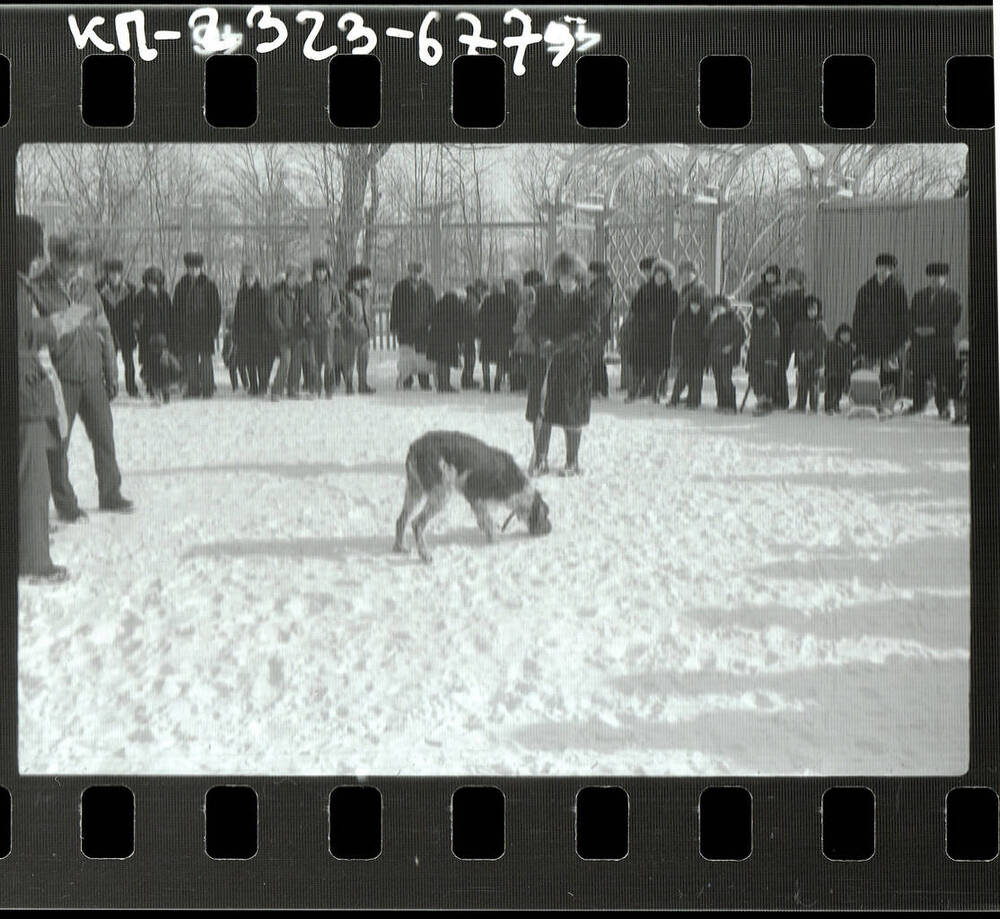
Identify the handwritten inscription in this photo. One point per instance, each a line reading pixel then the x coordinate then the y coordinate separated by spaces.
pixel 208 35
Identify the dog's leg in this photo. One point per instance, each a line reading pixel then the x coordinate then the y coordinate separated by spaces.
pixel 437 498
pixel 414 492
pixel 483 519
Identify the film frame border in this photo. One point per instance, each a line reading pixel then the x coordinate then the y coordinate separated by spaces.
pixel 293 866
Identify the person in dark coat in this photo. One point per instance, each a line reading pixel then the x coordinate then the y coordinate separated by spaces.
pixel 199 309
pixel 691 288
pixel 39 403
pixel 724 336
pixel 445 335
pixel 282 316
pixel 602 292
pixel 356 328
pixel 497 317
pixel 654 309
pixel 838 364
pixel 768 287
pixel 788 309
pixel 117 296
pixel 809 348
pixel 764 357
pixel 409 315
pixel 153 307
pixel 252 338
pixel 935 312
pixel 566 325
pixel 691 345
pixel 88 371
pixel 474 294
pixel 525 349
pixel 248 328
pixel 881 320
pixel 318 302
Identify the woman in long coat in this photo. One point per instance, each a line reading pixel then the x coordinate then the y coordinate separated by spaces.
pixel 655 309
pixel 497 317
pixel 445 333
pixel 153 306
pixel 565 325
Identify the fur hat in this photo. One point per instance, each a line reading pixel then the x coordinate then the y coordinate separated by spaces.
pixel 661 264
pixel 687 266
pixel 937 269
pixel 772 269
pixel 646 262
pixel 844 327
pixel 193 260
pixel 357 273
pixel 113 265
pixel 567 264
pixel 795 276
pixel 320 264
pixel 532 277
pixel 885 258
pixel 814 301
pixel 153 275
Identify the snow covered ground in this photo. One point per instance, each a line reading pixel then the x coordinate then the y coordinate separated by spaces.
pixel 719 595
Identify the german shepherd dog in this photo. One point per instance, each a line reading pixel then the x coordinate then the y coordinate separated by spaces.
pixel 440 462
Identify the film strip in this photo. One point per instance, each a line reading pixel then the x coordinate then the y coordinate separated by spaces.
pixel 749 661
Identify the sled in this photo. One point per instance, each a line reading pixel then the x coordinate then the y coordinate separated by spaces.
pixel 868 396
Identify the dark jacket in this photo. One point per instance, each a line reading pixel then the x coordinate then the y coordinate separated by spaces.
pixel 250 320
pixel 725 331
pixel 788 310
pixel 839 357
pixel 154 311
pixel 809 342
pixel 88 352
pixel 690 339
pixel 119 307
pixel 316 305
pixel 410 312
pixel 35 396
pixel 880 322
pixel 497 316
pixel 654 309
pixel 281 314
pixel 764 354
pixel 560 388
pixel 199 311
pixel 446 330
pixel 939 307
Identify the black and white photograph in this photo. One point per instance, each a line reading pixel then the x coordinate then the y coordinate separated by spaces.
pixel 493 459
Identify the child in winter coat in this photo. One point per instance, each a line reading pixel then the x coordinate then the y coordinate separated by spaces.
pixel 764 357
pixel 725 337
pixel 839 362
pixel 808 346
